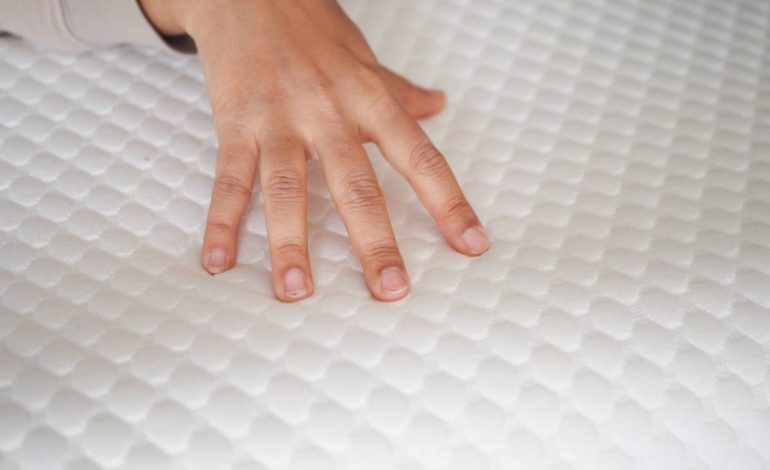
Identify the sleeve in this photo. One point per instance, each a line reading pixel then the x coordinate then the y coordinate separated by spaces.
pixel 79 25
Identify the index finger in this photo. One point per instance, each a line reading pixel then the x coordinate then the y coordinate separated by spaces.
pixel 411 152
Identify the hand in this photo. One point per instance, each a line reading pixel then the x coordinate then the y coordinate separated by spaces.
pixel 291 80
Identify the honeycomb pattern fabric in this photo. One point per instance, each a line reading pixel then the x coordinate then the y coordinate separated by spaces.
pixel 619 152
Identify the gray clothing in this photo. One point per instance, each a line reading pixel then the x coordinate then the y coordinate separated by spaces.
pixel 78 25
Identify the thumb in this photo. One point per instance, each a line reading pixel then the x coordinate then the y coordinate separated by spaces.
pixel 418 102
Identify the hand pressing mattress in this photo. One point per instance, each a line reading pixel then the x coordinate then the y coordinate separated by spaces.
pixel 618 152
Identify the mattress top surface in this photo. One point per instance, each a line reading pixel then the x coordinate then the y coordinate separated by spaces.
pixel 618 153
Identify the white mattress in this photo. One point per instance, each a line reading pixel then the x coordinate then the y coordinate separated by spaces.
pixel 619 153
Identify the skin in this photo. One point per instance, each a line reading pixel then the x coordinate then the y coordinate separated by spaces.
pixel 293 80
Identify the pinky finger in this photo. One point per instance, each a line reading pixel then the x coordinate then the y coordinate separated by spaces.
pixel 236 171
pixel 418 102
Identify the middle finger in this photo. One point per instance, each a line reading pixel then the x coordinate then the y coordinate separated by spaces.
pixel 283 178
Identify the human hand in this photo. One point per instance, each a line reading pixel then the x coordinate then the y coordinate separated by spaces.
pixel 292 80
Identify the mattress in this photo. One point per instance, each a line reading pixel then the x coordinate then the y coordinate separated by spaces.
pixel 618 152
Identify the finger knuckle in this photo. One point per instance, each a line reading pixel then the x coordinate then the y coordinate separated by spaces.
pixel 326 98
pixel 348 151
pixel 286 185
pixel 228 106
pixel 457 207
pixel 289 247
pixel 361 190
pixel 330 110
pixel 323 89
pixel 232 127
pixel 371 81
pixel 384 252
pixel 232 186
pixel 426 160
pixel 220 224
pixel 233 114
pixel 383 106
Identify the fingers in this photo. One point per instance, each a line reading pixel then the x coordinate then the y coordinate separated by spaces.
pixel 356 192
pixel 283 175
pixel 418 102
pixel 410 151
pixel 236 168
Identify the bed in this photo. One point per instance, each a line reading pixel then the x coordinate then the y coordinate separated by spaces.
pixel 618 152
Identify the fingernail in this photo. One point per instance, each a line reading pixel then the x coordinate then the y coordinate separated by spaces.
pixel 393 281
pixel 475 240
pixel 217 261
pixel 294 283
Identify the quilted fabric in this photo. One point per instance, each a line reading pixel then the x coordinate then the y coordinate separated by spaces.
pixel 619 152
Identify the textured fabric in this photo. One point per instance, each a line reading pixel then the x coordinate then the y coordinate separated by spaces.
pixel 618 152
pixel 78 25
